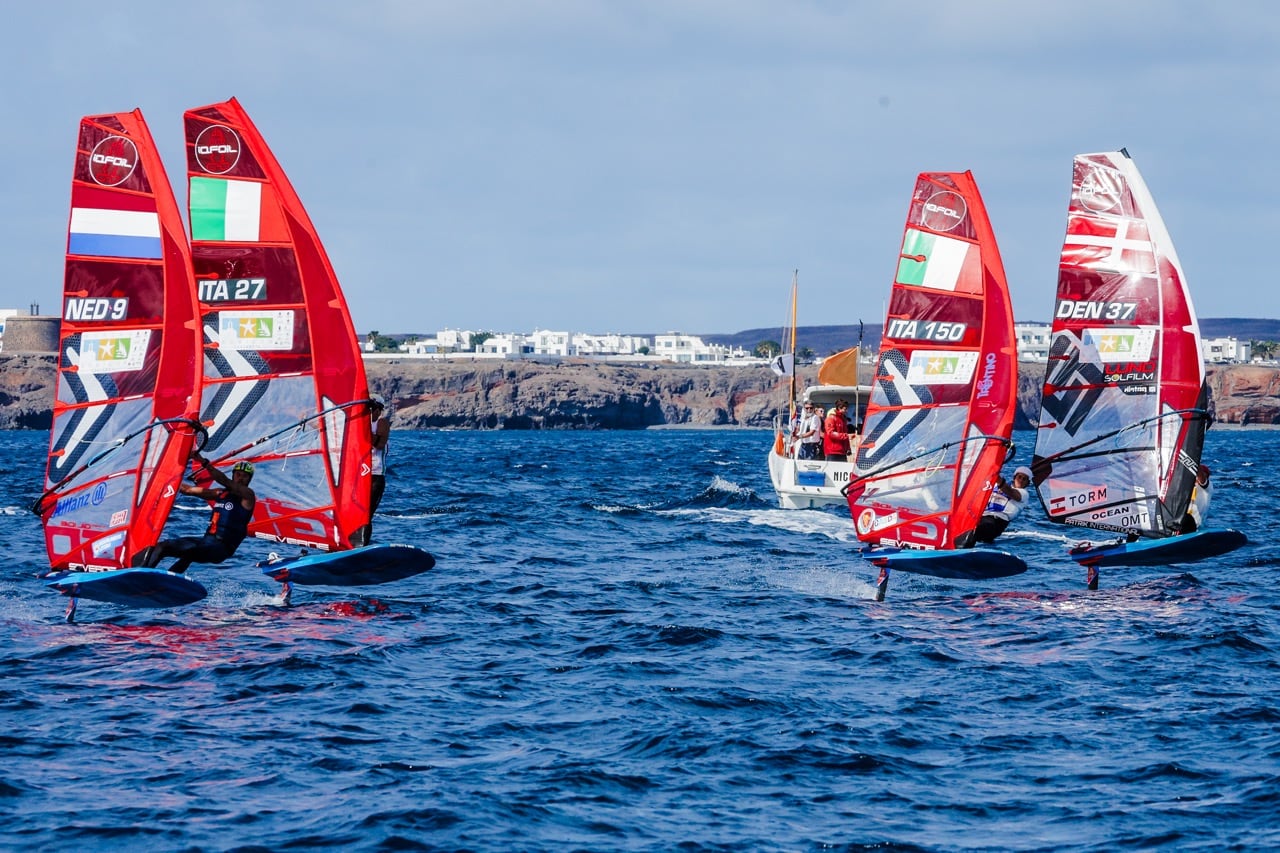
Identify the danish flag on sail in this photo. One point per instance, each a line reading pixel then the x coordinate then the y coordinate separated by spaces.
pixel 1115 244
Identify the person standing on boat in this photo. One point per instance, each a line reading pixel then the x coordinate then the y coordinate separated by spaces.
pixel 232 511
pixel 835 433
pixel 793 434
pixel 380 423
pixel 810 434
pixel 1201 494
pixel 1005 503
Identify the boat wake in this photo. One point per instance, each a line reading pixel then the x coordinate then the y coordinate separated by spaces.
pixel 804 522
pixel 720 493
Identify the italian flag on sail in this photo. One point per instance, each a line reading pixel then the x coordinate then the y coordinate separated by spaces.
pixel 937 262
pixel 235 211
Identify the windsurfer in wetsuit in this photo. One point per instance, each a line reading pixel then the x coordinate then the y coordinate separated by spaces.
pixel 1199 506
pixel 381 425
pixel 232 510
pixel 1006 502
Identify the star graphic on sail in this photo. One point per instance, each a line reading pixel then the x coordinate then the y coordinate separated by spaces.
pixel 940 366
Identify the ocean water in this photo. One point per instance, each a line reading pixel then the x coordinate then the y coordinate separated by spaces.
pixel 625 646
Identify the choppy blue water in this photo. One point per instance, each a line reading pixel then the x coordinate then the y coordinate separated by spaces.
pixel 625 646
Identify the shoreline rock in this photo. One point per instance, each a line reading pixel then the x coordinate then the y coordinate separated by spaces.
pixel 581 394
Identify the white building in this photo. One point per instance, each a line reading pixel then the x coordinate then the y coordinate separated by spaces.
pixel 1226 349
pixel 445 341
pixel 551 343
pixel 690 349
pixel 5 314
pixel 1033 340
pixel 589 345
pixel 506 345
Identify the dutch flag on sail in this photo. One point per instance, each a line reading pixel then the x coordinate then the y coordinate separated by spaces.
pixel 109 224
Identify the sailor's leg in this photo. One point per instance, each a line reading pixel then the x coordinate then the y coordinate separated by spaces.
pixel 882 583
pixel 151 556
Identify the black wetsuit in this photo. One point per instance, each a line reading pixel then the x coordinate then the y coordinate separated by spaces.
pixel 227 529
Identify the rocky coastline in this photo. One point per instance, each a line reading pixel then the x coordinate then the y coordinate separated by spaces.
pixel 580 394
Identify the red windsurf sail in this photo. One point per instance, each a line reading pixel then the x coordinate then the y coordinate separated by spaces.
pixel 1125 404
pixel 284 383
pixel 128 384
pixel 941 412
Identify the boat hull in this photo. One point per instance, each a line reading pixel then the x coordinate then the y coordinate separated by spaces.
pixel 130 587
pixel 1187 548
pixel 962 564
pixel 808 483
pixel 367 566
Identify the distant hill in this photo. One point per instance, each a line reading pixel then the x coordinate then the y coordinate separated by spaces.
pixel 825 340
pixel 1241 328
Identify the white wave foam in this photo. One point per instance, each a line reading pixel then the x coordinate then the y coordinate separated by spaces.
pixel 612 508
pixel 720 484
pixel 1036 534
pixel 794 521
pixel 826 582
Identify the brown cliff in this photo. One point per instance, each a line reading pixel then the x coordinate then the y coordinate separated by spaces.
pixel 26 391
pixel 577 394
pixel 1245 394
pixel 572 395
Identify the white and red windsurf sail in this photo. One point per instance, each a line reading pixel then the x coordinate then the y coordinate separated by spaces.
pixel 1124 410
pixel 128 383
pixel 942 404
pixel 284 384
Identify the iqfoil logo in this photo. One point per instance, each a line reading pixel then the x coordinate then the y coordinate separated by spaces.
pixel 217 149
pixel 943 211
pixel 113 161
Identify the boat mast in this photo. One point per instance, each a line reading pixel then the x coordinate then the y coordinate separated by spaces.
pixel 791 397
pixel 857 378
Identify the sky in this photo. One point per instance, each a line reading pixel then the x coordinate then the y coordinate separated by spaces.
pixel 644 167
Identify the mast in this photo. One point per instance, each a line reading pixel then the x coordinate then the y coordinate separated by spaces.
pixel 791 397
pixel 857 373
